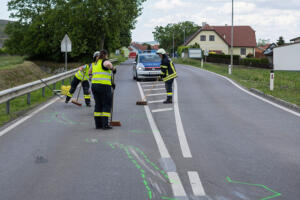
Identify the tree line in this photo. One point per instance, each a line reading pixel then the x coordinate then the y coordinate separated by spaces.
pixel 91 25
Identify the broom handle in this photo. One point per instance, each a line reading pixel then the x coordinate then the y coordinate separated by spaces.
pixel 80 85
pixel 112 98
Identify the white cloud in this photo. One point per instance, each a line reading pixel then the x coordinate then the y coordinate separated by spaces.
pixel 269 18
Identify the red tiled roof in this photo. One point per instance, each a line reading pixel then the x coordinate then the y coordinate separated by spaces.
pixel 243 36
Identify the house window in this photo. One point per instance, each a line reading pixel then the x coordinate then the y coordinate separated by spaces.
pixel 202 37
pixel 243 51
pixel 211 38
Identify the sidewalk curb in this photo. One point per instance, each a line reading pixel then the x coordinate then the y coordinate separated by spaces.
pixel 281 102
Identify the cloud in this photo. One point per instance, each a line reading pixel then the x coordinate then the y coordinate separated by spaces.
pixel 169 4
pixel 269 18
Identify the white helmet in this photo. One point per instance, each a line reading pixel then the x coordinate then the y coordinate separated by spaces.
pixel 161 51
pixel 97 53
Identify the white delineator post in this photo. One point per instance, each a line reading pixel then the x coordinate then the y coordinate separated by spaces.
pixel 202 62
pixel 272 76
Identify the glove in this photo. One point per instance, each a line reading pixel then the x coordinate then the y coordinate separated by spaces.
pixel 113 86
pixel 115 70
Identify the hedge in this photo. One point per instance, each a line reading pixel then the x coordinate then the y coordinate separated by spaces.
pixel 255 62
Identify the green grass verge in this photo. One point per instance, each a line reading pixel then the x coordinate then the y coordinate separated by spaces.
pixel 287 84
pixel 7 61
pixel 18 106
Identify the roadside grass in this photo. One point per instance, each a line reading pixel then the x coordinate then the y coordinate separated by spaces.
pixel 7 61
pixel 286 83
pixel 18 106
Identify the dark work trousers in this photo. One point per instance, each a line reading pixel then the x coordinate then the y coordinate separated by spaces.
pixel 85 86
pixel 103 102
pixel 169 88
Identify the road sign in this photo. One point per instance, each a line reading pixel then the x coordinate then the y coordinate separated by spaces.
pixel 195 53
pixel 66 44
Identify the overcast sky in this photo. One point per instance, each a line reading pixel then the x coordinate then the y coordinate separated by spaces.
pixel 269 18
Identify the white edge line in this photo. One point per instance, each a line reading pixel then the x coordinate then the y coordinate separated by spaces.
pixel 254 95
pixel 196 184
pixel 162 110
pixel 164 153
pixel 186 152
pixel 177 187
pixel 23 119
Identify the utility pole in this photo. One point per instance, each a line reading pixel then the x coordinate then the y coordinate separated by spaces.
pixel 184 35
pixel 173 45
pixel 231 56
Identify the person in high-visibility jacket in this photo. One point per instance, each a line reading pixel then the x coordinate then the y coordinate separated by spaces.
pixel 102 90
pixel 168 73
pixel 82 76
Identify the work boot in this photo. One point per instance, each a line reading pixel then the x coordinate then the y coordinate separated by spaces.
pixel 67 99
pixel 98 122
pixel 88 105
pixel 106 125
pixel 88 102
pixel 168 101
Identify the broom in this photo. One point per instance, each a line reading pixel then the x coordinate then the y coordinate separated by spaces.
pixel 143 102
pixel 113 123
pixel 77 102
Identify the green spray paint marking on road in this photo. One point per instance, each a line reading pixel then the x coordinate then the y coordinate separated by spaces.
pixel 276 194
pixel 162 172
pixel 143 173
pixel 138 131
pixel 60 118
pixel 167 198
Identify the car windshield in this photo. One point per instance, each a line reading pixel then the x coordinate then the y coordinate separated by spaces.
pixel 149 58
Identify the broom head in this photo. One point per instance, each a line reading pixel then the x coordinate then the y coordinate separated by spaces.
pixel 115 123
pixel 141 103
pixel 76 103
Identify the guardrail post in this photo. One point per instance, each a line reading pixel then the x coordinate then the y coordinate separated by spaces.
pixel 8 107
pixel 28 98
pixel 54 88
pixel 62 82
pixel 43 91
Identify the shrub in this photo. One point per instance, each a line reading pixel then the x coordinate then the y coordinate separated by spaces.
pixel 222 58
pixel 256 62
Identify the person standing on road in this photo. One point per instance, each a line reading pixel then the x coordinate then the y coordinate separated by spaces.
pixel 82 76
pixel 102 90
pixel 168 73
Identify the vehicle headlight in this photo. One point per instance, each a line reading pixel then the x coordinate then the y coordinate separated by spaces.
pixel 140 67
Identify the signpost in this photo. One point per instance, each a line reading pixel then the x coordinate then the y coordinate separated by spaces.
pixel 66 46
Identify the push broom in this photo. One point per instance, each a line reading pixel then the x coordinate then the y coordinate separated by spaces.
pixel 77 102
pixel 113 123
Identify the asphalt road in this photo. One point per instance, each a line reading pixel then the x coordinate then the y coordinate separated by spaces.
pixel 215 142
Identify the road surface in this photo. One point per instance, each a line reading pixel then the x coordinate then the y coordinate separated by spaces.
pixel 216 142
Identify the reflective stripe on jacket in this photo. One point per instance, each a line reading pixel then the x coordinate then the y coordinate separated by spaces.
pixel 84 74
pixel 101 75
pixel 167 69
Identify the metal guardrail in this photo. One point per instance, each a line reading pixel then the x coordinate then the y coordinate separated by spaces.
pixel 12 93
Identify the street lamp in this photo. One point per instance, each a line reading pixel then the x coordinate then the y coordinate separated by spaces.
pixel 231 56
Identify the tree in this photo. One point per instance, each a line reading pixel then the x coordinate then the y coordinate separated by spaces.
pixel 263 42
pixel 164 35
pixel 280 41
pixel 91 25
